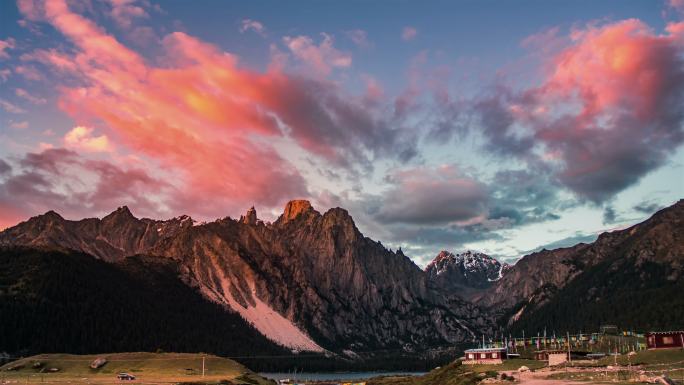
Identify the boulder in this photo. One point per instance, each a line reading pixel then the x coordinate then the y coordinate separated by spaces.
pixel 98 363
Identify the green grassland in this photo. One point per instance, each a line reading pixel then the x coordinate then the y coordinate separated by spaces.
pixel 149 368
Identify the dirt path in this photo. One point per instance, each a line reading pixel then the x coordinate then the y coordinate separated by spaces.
pixel 539 378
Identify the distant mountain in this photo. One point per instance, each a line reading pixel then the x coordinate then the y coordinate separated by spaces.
pixel 632 277
pixel 464 273
pixel 308 281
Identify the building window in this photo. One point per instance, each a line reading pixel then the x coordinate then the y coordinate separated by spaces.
pixel 668 340
pixel 495 355
pixel 483 355
pixel 471 356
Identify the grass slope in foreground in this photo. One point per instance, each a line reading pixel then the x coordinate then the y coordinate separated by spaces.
pixel 147 367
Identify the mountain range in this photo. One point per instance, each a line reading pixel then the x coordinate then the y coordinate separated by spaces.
pixel 307 282
pixel 312 282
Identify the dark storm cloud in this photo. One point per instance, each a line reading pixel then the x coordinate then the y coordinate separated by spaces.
pixel 647 207
pixel 609 215
pixel 4 167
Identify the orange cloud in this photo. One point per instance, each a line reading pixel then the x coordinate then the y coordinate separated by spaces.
pixel 198 113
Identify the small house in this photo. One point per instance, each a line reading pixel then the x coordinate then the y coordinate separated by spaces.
pixel 553 357
pixel 485 356
pixel 665 340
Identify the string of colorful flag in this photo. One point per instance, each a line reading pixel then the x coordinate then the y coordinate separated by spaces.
pixel 544 340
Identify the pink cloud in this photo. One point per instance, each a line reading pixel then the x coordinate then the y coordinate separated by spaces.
pixel 19 125
pixel 409 33
pixel 252 25
pixel 322 58
pixel 125 11
pixel 11 108
pixel 28 72
pixel 6 45
pixel 677 5
pixel 607 111
pixel 22 93
pixel 211 121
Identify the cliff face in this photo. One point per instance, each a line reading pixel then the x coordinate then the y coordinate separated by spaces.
pixel 309 281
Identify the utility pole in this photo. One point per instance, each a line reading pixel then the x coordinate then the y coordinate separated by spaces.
pixel 203 366
pixel 569 355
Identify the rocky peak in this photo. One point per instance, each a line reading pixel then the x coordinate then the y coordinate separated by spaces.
pixel 250 218
pixel 465 270
pixel 51 215
pixel 121 213
pixel 294 209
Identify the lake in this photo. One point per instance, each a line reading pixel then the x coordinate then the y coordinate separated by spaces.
pixel 342 376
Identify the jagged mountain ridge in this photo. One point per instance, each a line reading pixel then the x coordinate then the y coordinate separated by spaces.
pixel 111 238
pixel 464 271
pixel 309 281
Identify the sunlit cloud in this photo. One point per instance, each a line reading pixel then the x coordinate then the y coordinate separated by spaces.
pixel 82 138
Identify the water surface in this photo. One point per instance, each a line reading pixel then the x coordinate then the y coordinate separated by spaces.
pixel 332 376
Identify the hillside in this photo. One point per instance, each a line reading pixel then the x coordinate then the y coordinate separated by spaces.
pixel 56 301
pixel 632 277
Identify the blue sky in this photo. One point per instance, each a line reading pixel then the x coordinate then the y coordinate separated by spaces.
pixel 495 126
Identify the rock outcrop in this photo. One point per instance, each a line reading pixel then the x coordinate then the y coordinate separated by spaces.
pixel 250 218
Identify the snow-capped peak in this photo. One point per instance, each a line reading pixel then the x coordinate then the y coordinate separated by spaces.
pixel 470 267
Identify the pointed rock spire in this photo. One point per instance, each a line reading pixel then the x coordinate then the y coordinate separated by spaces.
pixel 250 218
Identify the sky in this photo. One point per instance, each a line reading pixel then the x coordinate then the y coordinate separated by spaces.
pixel 496 126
